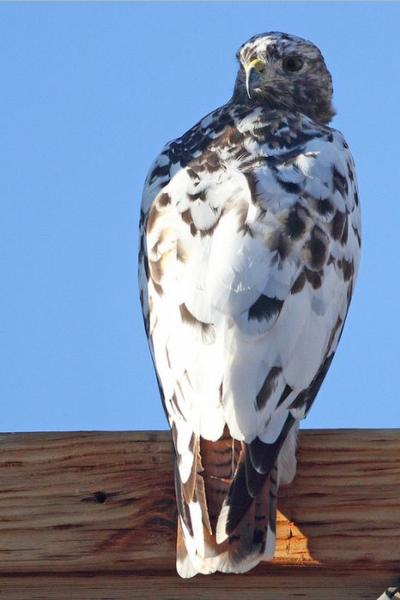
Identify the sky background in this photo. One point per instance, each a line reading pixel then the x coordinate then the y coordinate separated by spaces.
pixel 89 94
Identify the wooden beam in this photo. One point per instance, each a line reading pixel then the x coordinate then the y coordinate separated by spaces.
pixel 287 584
pixel 98 510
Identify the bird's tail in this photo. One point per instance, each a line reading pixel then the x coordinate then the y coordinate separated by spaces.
pixel 226 519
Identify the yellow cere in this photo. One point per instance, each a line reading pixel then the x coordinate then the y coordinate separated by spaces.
pixel 256 64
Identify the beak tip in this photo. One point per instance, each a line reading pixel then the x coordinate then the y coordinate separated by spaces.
pixel 248 73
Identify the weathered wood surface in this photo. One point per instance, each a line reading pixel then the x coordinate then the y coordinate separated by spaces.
pixel 288 584
pixel 102 505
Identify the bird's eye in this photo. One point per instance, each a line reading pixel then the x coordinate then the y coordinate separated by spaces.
pixel 292 63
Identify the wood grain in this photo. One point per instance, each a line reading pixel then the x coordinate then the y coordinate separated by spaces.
pixel 101 506
pixel 287 584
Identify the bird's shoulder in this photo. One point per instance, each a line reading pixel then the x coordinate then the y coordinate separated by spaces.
pixel 269 160
pixel 244 139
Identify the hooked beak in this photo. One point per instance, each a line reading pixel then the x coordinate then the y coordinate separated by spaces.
pixel 253 70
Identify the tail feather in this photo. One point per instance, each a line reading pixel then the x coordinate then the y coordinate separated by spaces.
pixel 220 529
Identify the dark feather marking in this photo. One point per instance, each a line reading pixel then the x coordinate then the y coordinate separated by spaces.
pixel 199 196
pixel 258 536
pixel 246 158
pixel 212 161
pixel 244 228
pixel 239 499
pixel 295 226
pixel 289 158
pixel 192 443
pixel 187 216
pixel 324 206
pixel 289 186
pixel 159 171
pixel 182 506
pixel 142 218
pixel 350 172
pixel 349 293
pixel 339 182
pixel 187 316
pixel 231 138
pixel 182 491
pixel 218 126
pixel 207 329
pixel 288 390
pixel 345 234
pixel 152 218
pixel 261 212
pixel 267 388
pixel 314 278
pixel 146 319
pixel 273 500
pixel 193 174
pixel 164 199
pixel 162 396
pixel 143 257
pixel 334 331
pixel 210 230
pixel 265 308
pixel 299 283
pixel 197 139
pixel 181 254
pixel 158 288
pixel 279 243
pixel 356 233
pixel 242 212
pixel 318 248
pixel 347 267
pixel 252 183
pixel 337 224
pixel 156 271
pixel 174 433
pixel 260 458
pixel 307 396
pixel 235 137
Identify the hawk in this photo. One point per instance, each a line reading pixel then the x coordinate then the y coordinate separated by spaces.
pixel 250 241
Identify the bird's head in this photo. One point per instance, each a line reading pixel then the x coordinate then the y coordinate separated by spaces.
pixel 287 72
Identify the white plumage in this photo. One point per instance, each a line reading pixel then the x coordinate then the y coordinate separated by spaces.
pixel 250 236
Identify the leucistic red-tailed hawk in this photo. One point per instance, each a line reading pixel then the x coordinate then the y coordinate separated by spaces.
pixel 250 241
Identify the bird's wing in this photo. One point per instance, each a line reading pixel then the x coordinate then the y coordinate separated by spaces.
pixel 248 261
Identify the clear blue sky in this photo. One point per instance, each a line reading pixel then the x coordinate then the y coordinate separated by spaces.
pixel 89 94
